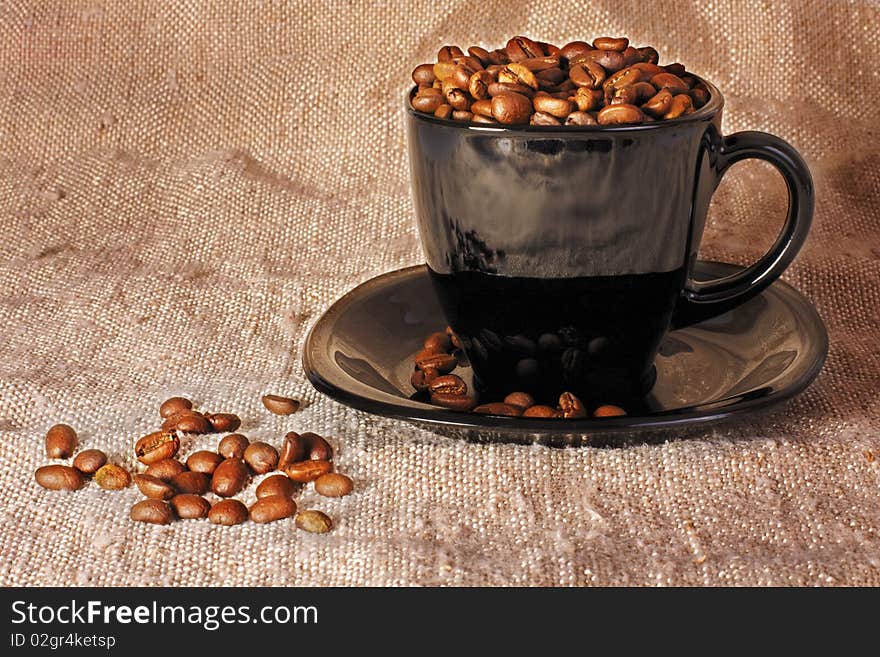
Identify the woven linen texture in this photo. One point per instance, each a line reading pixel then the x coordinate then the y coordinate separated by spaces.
pixel 185 187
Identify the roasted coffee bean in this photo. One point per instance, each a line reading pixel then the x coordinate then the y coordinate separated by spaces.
pixel 420 380
pixel 478 84
pixel 188 422
pixel 280 405
pixel 581 118
pixel 480 53
pixel 112 477
pixel 454 402
pixel 659 104
pixel 174 405
pixel 675 68
pixel 511 108
pixel 229 478
pixel 536 64
pixel 272 508
pixel 700 96
pixel 59 477
pixel 319 449
pixel 443 363
pixel 228 512
pixel 89 460
pixel 669 81
pixel 333 484
pixel 609 410
pixel 262 457
pixel 155 512
pixel 571 406
pixel 305 471
pixel 156 446
pixel 681 105
pixel 649 55
pixel 60 442
pixel 294 449
pixel 521 399
pixel 423 74
pixel 648 70
pixel 165 469
pixel 154 487
pixel 196 483
pixel 462 116
pixel 587 99
pixel 446 53
pixel 460 78
pixel 498 88
pixel 552 76
pixel 518 74
pixel 190 507
pixel 277 485
pixel 449 384
pixel 540 118
pixel 622 78
pixel 204 461
pixel 223 422
pixel 625 95
pixel 520 47
pixel 443 71
pixel 575 48
pixel 482 108
pixel 587 74
pixel 313 521
pixel 427 100
pixel 554 106
pixel 541 411
pixel 623 113
pixel 444 111
pixel 611 43
pixel 457 98
pixel 499 408
pixel 233 446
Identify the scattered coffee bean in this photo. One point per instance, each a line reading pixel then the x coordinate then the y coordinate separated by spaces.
pixel 449 384
pixel 571 406
pixel 153 487
pixel 112 477
pixel 319 449
pixel 174 405
pixel 166 469
pixel 609 410
pixel 223 422
pixel 305 471
pixel 59 477
pixel 188 506
pixel 443 363
pixel 438 342
pixel 195 483
pixel 454 402
pixel 229 478
pixel 313 521
pixel 421 379
pixel 228 512
pixel 155 512
pixel 294 449
pixel 521 399
pixel 262 457
pixel 499 408
pixel 188 422
pixel 60 441
pixel 89 460
pixel 277 485
pixel 280 405
pixel 272 508
pixel 156 446
pixel 233 446
pixel 333 484
pixel 203 461
pixel 541 411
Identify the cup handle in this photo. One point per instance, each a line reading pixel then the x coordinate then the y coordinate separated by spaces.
pixel 703 299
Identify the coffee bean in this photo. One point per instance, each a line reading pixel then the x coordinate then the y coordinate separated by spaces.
pixel 462 116
pixel 675 68
pixel 587 74
pixel 700 96
pixel 457 98
pixel 518 74
pixel 228 512
pixel 551 76
pixel 277 485
pixel 229 478
pixel 444 111
pixel 540 118
pixel 59 477
pixel 536 64
pixel 446 53
pixel 499 408
pixel 423 74
pixel 174 405
pixel 554 106
pixel 204 461
pixel 498 88
pixel 520 47
pixel 649 55
pixel 305 471
pixel 480 53
pixel 262 457
pixel 60 442
pixel 155 512
pixel 196 483
pixel 648 70
pixel 313 521
pixel 580 118
pixel 280 405
pixel 156 446
pixel 420 380
pixel 89 460
pixel 609 410
pixel 571 406
pixel 669 81
pixel 333 484
pixel 541 411
pixel 112 477
pixel 482 108
pixel 427 100
pixel 511 108
pixel 188 422
pixel 319 449
pixel 681 105
pixel 294 449
pixel 439 342
pixel 188 506
pixel 223 422
pixel 449 384
pixel 165 469
pixel 272 508
pixel 153 487
pixel 659 104
pixel 616 114
pixel 479 118
pixel 611 43
pixel 521 399
pixel 575 48
pixel 233 446
pixel 454 402
pixel 443 363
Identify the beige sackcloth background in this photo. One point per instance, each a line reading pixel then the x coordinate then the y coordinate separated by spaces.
pixel 185 187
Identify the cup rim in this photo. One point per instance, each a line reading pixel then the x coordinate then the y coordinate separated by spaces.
pixel 716 102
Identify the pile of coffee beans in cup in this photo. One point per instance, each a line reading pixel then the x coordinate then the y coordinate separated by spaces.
pixel 433 375
pixel 605 82
pixel 176 489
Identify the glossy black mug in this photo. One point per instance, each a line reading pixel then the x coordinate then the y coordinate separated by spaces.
pixel 562 255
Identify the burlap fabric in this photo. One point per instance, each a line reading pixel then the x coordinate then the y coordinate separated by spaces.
pixel 186 186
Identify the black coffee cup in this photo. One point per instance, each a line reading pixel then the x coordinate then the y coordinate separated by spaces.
pixel 562 255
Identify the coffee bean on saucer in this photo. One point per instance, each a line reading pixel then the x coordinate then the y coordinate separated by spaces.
pixel 609 410
pixel 522 399
pixel 453 402
pixel 449 384
pixel 438 342
pixel 571 406
pixel 442 362
pixel 499 408
pixel 542 412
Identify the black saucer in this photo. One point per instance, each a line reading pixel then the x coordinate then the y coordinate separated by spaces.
pixel 760 353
